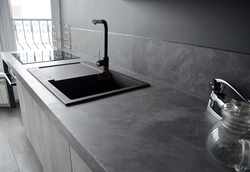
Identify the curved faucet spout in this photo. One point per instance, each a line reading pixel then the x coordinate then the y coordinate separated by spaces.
pixel 105 61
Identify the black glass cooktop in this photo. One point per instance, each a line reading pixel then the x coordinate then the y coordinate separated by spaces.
pixel 43 56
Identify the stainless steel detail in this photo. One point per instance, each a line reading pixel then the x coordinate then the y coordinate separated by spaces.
pixel 217 97
pixel 227 84
pixel 211 111
pixel 10 78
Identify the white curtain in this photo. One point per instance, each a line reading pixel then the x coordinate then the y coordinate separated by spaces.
pixel 7 39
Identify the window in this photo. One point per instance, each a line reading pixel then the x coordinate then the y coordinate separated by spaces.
pixel 32 24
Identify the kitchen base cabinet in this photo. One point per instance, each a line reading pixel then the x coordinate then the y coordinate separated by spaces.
pixel 51 147
pixel 77 163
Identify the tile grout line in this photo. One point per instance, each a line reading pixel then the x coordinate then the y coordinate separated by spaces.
pixel 22 151
pixel 11 147
pixel 70 159
pixel 14 155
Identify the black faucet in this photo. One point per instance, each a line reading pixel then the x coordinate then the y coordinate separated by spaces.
pixel 105 61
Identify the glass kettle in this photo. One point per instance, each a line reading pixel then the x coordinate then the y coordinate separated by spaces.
pixel 228 141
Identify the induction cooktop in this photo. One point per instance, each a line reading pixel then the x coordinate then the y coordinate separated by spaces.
pixel 28 57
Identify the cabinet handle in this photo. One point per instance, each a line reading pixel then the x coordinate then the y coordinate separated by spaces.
pixel 9 77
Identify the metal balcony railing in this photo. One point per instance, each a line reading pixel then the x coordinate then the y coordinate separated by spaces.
pixel 34 34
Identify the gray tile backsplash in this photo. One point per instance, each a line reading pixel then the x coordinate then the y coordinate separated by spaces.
pixel 184 67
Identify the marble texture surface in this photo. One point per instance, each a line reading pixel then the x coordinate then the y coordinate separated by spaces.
pixel 158 128
pixel 184 67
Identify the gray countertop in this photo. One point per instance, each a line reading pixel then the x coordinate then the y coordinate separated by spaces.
pixel 152 129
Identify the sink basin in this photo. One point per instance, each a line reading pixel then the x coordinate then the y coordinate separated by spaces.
pixel 91 84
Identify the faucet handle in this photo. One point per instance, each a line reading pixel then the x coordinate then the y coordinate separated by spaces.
pixel 99 55
pixel 98 63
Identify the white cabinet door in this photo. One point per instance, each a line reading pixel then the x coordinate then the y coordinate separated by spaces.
pixel 49 144
pixel 77 163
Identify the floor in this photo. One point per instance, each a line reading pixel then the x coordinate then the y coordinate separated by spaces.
pixel 16 152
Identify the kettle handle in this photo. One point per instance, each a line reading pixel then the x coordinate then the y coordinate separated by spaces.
pixel 244 161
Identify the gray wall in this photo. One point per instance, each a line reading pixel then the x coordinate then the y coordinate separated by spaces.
pixel 215 23
pixel 167 41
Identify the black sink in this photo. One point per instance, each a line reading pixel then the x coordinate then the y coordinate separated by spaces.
pixel 95 86
pixel 83 82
